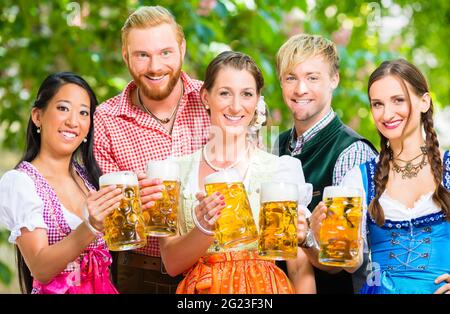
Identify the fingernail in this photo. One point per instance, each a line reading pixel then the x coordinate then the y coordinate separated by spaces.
pixel 222 197
pixel 217 193
pixel 222 204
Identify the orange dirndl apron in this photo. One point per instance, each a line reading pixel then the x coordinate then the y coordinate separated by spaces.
pixel 240 272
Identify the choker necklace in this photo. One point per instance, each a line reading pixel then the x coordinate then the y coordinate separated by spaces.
pixel 410 170
pixel 165 120
pixel 237 161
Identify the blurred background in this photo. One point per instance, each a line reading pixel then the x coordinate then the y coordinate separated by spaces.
pixel 41 37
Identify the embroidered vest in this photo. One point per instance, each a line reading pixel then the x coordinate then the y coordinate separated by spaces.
pixel 320 154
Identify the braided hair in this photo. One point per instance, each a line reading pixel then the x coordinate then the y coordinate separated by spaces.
pixel 407 72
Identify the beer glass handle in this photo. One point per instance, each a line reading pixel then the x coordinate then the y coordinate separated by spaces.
pixel 198 225
pixel 88 224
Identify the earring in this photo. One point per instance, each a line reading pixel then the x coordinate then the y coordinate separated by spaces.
pixel 38 131
pixel 84 140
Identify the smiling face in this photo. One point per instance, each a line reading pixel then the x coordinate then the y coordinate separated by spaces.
pixel 65 121
pixel 307 90
pixel 395 117
pixel 232 100
pixel 154 58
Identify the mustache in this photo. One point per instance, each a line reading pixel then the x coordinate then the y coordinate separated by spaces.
pixel 155 74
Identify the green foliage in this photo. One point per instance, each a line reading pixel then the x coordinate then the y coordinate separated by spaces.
pixel 6 274
pixel 38 38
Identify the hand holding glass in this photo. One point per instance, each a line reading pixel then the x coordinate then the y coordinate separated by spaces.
pixel 341 229
pixel 124 228
pixel 161 219
pixel 235 225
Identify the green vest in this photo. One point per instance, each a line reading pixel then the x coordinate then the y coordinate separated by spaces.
pixel 319 155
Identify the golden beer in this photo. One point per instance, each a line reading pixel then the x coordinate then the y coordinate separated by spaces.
pixel 235 225
pixel 124 227
pixel 340 231
pixel 278 221
pixel 161 219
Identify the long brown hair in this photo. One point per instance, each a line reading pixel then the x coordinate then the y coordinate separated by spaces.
pixel 407 72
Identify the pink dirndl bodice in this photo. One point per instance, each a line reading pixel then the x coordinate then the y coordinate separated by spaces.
pixel 89 273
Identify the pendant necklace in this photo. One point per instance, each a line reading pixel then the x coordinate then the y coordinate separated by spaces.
pixel 164 120
pixel 410 170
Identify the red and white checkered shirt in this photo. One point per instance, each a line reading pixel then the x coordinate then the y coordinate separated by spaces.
pixel 127 138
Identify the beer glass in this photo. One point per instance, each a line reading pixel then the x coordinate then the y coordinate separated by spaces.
pixel 235 225
pixel 340 232
pixel 124 227
pixel 278 220
pixel 161 219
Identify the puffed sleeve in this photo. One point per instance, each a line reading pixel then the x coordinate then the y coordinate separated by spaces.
pixel 20 206
pixel 290 170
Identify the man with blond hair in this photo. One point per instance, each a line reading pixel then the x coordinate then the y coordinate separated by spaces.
pixel 308 69
pixel 158 115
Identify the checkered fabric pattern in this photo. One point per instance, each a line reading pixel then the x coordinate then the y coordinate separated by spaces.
pixel 354 155
pixel 58 227
pixel 127 138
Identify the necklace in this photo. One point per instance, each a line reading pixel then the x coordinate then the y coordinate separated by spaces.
pixel 410 170
pixel 165 120
pixel 237 161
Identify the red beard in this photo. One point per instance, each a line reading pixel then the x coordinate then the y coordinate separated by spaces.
pixel 157 93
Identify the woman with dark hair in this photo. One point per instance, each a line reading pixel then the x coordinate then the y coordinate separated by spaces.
pixel 406 188
pixel 50 201
pixel 232 94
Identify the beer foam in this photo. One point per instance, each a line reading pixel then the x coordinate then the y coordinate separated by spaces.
pixel 168 170
pixel 223 176
pixel 278 192
pixel 341 191
pixel 121 177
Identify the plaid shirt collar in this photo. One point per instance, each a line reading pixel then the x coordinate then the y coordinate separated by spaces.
pixel 126 108
pixel 296 143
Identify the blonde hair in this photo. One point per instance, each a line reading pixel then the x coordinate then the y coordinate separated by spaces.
pixel 151 16
pixel 298 48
